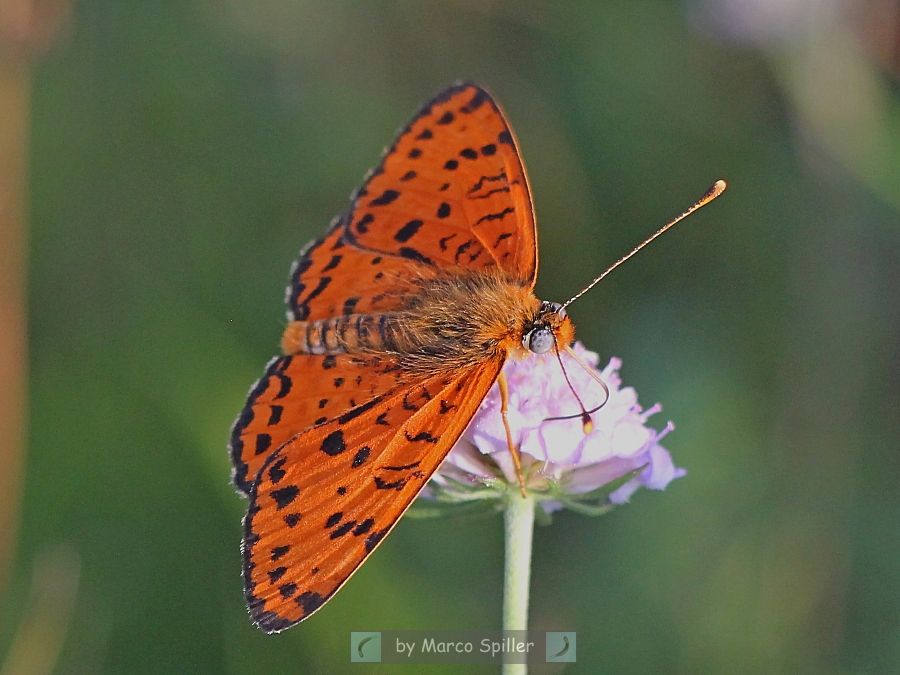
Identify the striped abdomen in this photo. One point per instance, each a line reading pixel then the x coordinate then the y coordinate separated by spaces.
pixel 338 335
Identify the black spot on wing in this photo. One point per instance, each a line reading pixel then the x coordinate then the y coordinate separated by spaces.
pixel 362 225
pixel 353 413
pixel 501 237
pixel 486 179
pixel 263 443
pixel 334 443
pixel 279 552
pixel 276 471
pixel 422 436
pixel 334 262
pixel 323 284
pixel 486 195
pixel 443 210
pixel 462 248
pixel 413 254
pixel 385 198
pixel 403 467
pixel 475 102
pixel 339 532
pixel 333 520
pixel 275 412
pixel 382 484
pixel 407 232
pixel 495 216
pixel 408 404
pixel 361 456
pixel 284 496
pixel 442 242
pixel 364 527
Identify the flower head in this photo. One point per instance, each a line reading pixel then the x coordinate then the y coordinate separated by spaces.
pixel 563 466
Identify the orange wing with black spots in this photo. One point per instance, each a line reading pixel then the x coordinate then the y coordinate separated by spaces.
pixel 331 278
pixel 297 392
pixel 450 192
pixel 323 501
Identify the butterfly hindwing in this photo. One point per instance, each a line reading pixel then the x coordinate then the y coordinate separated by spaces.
pixel 331 278
pixel 324 500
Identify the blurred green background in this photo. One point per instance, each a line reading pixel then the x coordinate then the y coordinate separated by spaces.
pixel 178 154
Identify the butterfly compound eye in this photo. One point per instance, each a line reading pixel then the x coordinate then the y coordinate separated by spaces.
pixel 540 340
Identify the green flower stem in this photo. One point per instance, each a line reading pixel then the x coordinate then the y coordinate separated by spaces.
pixel 519 526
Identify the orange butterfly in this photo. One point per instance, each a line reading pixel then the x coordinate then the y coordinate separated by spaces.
pixel 401 318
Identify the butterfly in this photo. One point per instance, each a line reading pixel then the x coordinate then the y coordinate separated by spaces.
pixel 399 322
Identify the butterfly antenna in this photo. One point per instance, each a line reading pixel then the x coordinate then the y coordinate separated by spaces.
pixel 585 415
pixel 586 422
pixel 714 191
pixel 590 371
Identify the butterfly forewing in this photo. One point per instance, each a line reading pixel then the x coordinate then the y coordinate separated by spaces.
pixel 325 499
pixel 451 191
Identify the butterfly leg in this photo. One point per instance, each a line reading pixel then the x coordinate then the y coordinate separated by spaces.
pixel 513 450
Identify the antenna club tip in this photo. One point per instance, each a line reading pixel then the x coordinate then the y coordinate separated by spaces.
pixel 717 188
pixel 587 424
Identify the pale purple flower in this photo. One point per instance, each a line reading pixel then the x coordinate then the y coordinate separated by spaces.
pixel 766 22
pixel 562 464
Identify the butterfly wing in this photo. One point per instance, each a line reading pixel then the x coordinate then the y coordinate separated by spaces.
pixel 332 277
pixel 297 392
pixel 451 191
pixel 476 214
pixel 324 500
